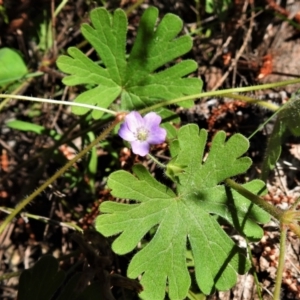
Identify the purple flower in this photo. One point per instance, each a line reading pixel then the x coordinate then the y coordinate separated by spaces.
pixel 142 132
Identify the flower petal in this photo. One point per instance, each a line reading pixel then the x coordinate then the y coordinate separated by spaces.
pixel 134 121
pixel 157 135
pixel 140 148
pixel 151 119
pixel 125 133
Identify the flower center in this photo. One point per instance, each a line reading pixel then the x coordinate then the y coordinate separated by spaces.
pixel 142 134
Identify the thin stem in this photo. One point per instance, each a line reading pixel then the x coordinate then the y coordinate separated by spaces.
pixel 18 90
pixel 156 161
pixel 70 163
pixel 294 206
pixel 165 103
pixel 35 99
pixel 250 100
pixel 60 7
pixel 264 124
pixel 198 18
pixel 221 93
pixel 130 9
pixel 272 210
pixel 46 220
pixel 10 275
pixel 258 288
pixel 280 268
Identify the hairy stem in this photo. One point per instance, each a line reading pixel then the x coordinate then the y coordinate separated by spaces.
pixel 283 231
pixel 250 100
pixel 46 220
pixel 277 213
pixel 156 161
pixel 35 99
pixel 221 93
pixel 258 286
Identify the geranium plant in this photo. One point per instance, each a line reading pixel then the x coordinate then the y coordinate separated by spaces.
pixel 188 214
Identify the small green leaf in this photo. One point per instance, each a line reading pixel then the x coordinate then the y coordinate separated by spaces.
pixel 41 281
pixel 185 215
pixel 217 6
pixel 12 66
pixel 273 150
pixel 173 170
pixel 287 123
pixel 93 162
pixel 290 114
pixel 28 126
pixel 3 14
pixel 135 79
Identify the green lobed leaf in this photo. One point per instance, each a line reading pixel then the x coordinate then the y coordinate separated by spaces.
pixel 136 79
pixel 185 215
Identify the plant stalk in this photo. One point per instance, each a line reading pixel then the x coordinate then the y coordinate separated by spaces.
pixel 280 268
pixel 268 105
pixel 156 161
pixel 60 102
pixel 276 212
pixel 220 93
